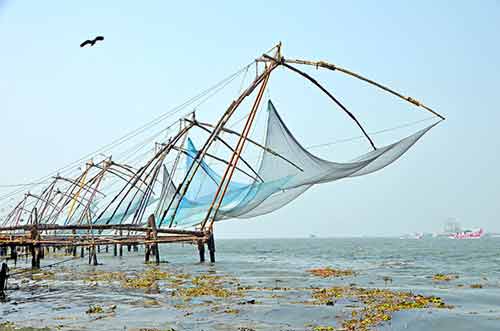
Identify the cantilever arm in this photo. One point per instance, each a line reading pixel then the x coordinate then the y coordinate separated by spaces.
pixel 267 149
pixel 186 152
pixel 315 82
pixel 71 181
pixel 334 67
pixel 201 126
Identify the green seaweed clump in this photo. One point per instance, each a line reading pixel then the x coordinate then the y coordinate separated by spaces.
pixel 94 309
pixel 443 277
pixel 323 328
pixel 331 272
pixel 208 285
pixel 378 304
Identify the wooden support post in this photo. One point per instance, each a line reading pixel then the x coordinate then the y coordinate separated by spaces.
pixel 33 257
pixel 92 255
pixel 98 248
pixel 41 251
pixel 211 247
pixel 13 253
pixel 146 253
pixel 128 247
pixel 154 235
pixel 35 248
pixel 121 246
pixel 4 274
pixel 107 249
pixel 114 250
pixel 82 252
pixel 201 250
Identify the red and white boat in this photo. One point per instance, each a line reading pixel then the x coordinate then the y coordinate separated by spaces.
pixel 468 234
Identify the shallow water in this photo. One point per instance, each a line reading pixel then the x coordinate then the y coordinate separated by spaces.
pixel 60 303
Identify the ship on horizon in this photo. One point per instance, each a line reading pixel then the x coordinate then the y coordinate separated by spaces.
pixel 468 234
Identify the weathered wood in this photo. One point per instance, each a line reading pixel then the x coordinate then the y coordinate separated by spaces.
pixel 235 157
pixel 13 253
pixel 121 245
pixel 100 227
pixel 315 82
pixel 92 255
pixel 211 248
pixel 146 253
pixel 4 274
pixel 201 250
pixel 190 173
pixel 334 67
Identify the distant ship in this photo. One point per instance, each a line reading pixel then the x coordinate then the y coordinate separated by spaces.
pixel 416 235
pixel 468 234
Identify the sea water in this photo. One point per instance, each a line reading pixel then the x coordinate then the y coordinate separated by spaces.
pixel 395 264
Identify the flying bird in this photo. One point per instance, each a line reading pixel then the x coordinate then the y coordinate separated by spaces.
pixel 92 42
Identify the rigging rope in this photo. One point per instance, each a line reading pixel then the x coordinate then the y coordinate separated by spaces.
pixel 338 141
pixel 135 132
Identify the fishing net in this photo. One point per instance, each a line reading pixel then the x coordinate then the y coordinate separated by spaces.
pixel 286 171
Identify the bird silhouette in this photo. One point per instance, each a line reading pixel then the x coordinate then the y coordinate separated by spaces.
pixel 92 42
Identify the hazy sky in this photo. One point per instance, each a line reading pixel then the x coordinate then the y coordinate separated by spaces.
pixel 59 102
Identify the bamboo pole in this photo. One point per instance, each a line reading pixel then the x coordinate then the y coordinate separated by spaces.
pixel 226 178
pixel 333 67
pixel 220 124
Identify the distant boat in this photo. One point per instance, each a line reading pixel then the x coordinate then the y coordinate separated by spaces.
pixel 468 234
pixel 416 235
pixel 312 236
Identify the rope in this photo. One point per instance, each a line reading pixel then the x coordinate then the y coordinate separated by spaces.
pixel 137 131
pixel 23 185
pixel 45 266
pixel 371 133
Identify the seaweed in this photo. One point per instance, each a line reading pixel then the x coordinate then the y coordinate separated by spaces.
pixel 331 272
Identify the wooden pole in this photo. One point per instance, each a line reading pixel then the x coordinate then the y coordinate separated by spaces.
pixel 152 248
pixel 351 115
pixel 226 178
pixel 93 255
pixel 211 247
pixel 190 173
pixel 13 253
pixel 121 246
pixel 333 67
pixel 4 274
pixel 201 250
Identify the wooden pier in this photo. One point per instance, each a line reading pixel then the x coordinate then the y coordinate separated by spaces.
pixel 34 239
